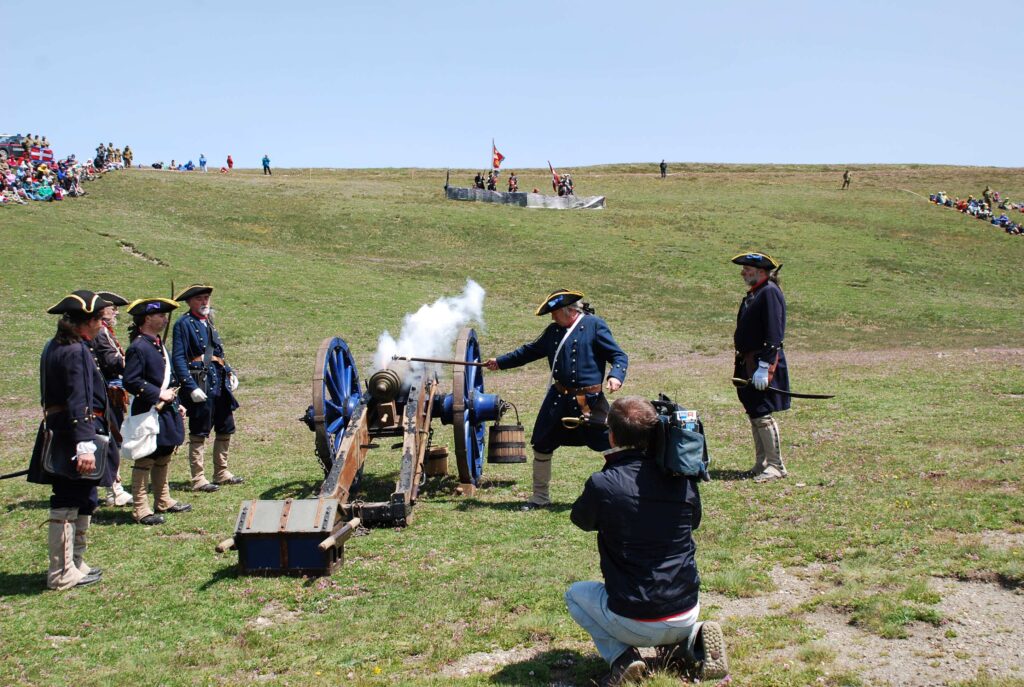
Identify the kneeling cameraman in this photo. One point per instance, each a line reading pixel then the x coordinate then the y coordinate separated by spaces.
pixel 644 519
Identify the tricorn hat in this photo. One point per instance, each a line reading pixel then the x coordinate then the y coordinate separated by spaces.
pixel 112 298
pixel 558 299
pixel 760 260
pixel 194 290
pixel 81 301
pixel 151 306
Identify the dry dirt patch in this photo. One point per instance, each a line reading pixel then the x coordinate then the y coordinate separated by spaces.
pixel 982 632
pixel 274 613
pixel 489 661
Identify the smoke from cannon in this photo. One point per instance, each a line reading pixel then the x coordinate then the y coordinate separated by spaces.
pixel 431 330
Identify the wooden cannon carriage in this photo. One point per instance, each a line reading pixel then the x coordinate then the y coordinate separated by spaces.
pixel 307 536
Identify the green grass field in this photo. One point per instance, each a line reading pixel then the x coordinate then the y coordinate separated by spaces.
pixel 910 313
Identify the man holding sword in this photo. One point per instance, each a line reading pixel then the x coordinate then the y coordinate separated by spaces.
pixel 579 348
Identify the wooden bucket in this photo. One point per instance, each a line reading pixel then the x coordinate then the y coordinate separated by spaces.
pixel 506 444
pixel 435 463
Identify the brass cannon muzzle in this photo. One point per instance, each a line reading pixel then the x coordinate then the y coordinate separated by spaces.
pixel 386 385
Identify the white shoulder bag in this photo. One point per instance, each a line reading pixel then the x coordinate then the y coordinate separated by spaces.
pixel 139 432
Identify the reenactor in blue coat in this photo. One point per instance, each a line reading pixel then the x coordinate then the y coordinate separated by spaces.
pixel 207 387
pixel 151 382
pixel 72 447
pixel 760 330
pixel 579 348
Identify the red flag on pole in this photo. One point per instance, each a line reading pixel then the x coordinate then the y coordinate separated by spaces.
pixel 496 157
pixel 555 179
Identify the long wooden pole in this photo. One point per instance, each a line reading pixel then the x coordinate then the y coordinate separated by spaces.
pixel 443 361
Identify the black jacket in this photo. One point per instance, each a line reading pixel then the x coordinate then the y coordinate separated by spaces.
pixel 143 377
pixel 644 521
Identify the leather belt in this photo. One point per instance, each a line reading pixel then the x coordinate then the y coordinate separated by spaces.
pixel 214 358
pixel 53 410
pixel 576 391
pixel 580 393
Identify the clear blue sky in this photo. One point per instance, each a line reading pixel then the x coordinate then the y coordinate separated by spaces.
pixel 428 84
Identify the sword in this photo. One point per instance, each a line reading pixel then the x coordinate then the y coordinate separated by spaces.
pixel 582 420
pixel 19 473
pixel 740 382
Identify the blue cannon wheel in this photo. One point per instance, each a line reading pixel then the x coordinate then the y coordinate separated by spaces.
pixel 467 384
pixel 336 393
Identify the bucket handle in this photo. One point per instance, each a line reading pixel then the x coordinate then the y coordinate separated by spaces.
pixel 505 405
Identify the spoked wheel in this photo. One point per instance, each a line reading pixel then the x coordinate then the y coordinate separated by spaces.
pixel 336 393
pixel 467 384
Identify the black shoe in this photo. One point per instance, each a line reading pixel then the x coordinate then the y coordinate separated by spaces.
pixel 96 571
pixel 152 519
pixel 234 479
pixel 530 505
pixel 627 669
pixel 93 576
pixel 209 487
pixel 179 507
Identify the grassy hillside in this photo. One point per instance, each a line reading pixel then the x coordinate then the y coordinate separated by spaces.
pixel 910 313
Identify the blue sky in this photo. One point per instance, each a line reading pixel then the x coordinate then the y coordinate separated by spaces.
pixel 424 84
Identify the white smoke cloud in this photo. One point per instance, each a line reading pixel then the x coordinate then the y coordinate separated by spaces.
pixel 430 332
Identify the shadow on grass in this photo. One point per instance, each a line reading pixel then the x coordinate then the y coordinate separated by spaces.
pixel 22 584
pixel 728 475
pixel 27 504
pixel 296 489
pixel 510 506
pixel 110 516
pixel 558 666
pixel 230 572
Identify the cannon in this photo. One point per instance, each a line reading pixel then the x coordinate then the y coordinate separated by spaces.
pixel 307 536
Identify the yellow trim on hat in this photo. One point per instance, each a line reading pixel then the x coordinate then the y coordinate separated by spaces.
pixel 775 263
pixel 174 304
pixel 560 292
pixel 85 308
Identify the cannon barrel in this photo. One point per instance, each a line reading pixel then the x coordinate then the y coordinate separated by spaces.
pixel 386 385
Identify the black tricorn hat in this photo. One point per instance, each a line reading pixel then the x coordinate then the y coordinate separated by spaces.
pixel 112 298
pixel 151 306
pixel 194 290
pixel 761 260
pixel 558 299
pixel 81 301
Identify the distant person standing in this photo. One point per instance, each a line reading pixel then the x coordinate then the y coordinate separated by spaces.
pixel 846 180
pixel 513 182
pixel 202 162
pixel 231 163
pixel 127 155
pixel 664 169
pixel 266 165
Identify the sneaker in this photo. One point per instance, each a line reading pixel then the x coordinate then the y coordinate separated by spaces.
pixel 711 641
pixel 769 474
pixel 627 669
pixel 151 519
pixel 209 487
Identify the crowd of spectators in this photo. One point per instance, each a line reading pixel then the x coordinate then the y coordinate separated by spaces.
pixel 36 176
pixel 981 208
